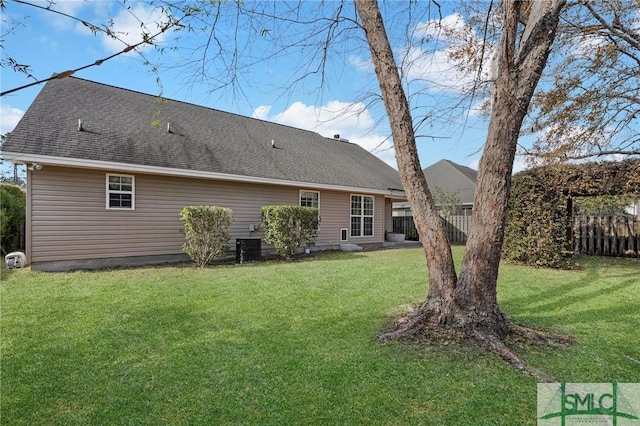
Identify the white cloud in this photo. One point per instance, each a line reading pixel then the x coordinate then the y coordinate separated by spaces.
pixel 519 164
pixel 69 8
pixel 442 28
pixel 262 112
pixel 351 121
pixel 9 118
pixel 435 58
pixel 130 24
pixel 361 64
pixel 578 140
pixel 438 60
pixel 436 70
pixel 481 108
pixel 333 117
pixel 587 44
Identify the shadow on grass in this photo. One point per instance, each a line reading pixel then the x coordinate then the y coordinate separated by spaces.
pixel 137 357
pixel 324 255
pixel 558 301
pixel 187 264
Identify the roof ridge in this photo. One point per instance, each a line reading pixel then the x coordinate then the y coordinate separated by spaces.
pixel 198 106
pixel 204 139
pixel 462 169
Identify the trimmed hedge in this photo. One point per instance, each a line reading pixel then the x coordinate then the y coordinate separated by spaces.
pixel 290 228
pixel 208 230
pixel 535 232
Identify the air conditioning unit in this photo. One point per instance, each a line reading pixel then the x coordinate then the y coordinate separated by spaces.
pixel 15 259
pixel 248 249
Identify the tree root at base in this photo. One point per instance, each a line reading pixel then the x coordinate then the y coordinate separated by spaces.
pixel 417 331
pixel 495 345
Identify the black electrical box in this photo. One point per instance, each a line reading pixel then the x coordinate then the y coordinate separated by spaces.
pixel 248 249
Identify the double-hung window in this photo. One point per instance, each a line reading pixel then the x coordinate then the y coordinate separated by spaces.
pixel 310 199
pixel 361 216
pixel 120 192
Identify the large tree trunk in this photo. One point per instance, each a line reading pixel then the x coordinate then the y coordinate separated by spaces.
pixel 442 274
pixel 468 304
pixel 519 66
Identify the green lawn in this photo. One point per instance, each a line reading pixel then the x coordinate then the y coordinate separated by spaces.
pixel 293 343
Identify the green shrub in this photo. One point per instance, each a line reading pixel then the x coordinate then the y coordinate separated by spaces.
pixel 290 228
pixel 539 215
pixel 207 229
pixel 12 216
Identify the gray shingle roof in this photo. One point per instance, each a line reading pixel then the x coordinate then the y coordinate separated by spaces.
pixel 118 128
pixel 452 177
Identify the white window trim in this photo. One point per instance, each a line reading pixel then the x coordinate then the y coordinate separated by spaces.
pixel 362 216
pixel 307 190
pixel 300 201
pixel 108 191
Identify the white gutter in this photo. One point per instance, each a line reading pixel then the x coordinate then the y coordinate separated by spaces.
pixel 167 171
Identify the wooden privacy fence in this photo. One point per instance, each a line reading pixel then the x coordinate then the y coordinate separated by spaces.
pixel 404 225
pixel 456 227
pixel 607 235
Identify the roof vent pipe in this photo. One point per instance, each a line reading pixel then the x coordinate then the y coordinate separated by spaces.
pixel 273 143
pixel 80 128
pixel 168 127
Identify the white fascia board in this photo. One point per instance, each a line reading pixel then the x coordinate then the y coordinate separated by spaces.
pixel 167 171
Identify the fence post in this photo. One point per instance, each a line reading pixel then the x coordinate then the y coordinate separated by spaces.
pixel 607 235
pixel 577 234
pixel 613 235
pixel 590 230
pixel 607 248
pixel 622 236
pixel 597 230
pixel 634 238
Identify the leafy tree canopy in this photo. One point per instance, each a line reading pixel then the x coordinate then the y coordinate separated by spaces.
pixel 589 103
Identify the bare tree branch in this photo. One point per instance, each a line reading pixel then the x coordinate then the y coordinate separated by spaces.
pixel 592 103
pixel 146 40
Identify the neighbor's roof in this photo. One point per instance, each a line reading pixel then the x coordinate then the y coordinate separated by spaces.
pixel 118 132
pixel 452 177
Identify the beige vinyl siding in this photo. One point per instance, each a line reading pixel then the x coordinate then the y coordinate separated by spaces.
pixel 69 219
pixel 335 214
pixel 388 215
pixel 27 240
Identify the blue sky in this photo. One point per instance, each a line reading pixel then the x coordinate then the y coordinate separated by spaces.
pixel 49 44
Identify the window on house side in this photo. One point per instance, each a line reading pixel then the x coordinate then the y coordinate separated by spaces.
pixel 120 192
pixel 310 199
pixel 361 216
